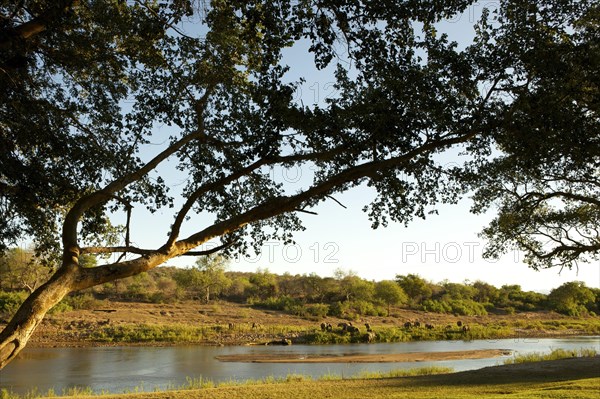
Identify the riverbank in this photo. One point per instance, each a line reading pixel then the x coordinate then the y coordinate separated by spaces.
pixel 225 323
pixel 572 378
pixel 378 358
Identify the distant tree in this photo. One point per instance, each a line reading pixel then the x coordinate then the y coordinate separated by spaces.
pixel 571 298
pixel 167 289
pixel 458 291
pixel 21 270
pixel 361 289
pixel 485 293
pixel 417 288
pixel 595 307
pixel 390 293
pixel 315 287
pixel 206 278
pixel 291 285
pixel 263 284
pixel 352 287
pixel 240 287
pixel 212 275
pixel 508 294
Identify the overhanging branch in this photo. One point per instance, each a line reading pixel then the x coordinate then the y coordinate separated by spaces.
pixel 283 204
pixel 35 26
pixel 208 187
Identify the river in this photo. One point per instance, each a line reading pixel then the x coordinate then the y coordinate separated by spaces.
pixel 119 369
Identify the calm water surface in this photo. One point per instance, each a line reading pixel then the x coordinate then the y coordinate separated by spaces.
pixel 117 369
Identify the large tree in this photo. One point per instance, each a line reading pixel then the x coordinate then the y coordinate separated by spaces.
pixel 88 89
pixel 544 177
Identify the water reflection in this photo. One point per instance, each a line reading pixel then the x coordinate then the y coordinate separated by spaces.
pixel 122 368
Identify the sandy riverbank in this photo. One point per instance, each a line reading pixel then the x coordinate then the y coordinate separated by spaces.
pixel 370 358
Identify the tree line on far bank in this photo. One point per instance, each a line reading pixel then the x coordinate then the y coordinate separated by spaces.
pixel 344 295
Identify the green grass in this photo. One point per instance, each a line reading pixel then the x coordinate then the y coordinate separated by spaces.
pixel 556 354
pixel 413 372
pixel 195 383
pixel 567 378
pixel 401 334
pixel 183 333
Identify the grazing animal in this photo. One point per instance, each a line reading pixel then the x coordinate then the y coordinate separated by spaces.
pixel 417 324
pixel 408 324
pixel 283 342
pixel 370 336
pixel 466 328
pixel 352 329
pixel 459 323
pixel 368 327
pixel 323 326
pixel 329 327
pixel 429 326
pixel 231 326
pixel 344 326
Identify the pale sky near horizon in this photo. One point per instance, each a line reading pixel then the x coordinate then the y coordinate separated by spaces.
pixel 442 247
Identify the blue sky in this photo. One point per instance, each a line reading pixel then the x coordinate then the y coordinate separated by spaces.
pixel 444 246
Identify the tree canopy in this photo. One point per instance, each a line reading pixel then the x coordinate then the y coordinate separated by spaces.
pixel 97 97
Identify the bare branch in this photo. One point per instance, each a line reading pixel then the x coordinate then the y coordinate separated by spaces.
pixel 338 202
pixel 305 211
pixel 210 251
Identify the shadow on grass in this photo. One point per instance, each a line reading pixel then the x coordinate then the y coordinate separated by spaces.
pixel 535 372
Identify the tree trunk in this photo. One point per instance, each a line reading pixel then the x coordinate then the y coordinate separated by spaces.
pixel 69 278
pixel 22 325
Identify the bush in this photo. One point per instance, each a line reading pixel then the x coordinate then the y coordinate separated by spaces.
pixel 82 301
pixel 463 307
pixel 10 302
pixel 337 309
pixel 436 306
pixel 364 308
pixel 317 309
pixel 62 306
pixel 284 303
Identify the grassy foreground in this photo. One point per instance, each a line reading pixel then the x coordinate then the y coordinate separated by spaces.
pixel 566 378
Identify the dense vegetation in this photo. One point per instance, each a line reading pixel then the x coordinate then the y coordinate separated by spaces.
pixel 344 295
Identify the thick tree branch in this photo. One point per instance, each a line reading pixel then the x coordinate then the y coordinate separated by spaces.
pixel 283 204
pixel 96 198
pixel 37 25
pixel 557 194
pixel 69 234
pixel 142 251
pixel 118 249
pixel 208 187
pixel 271 208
